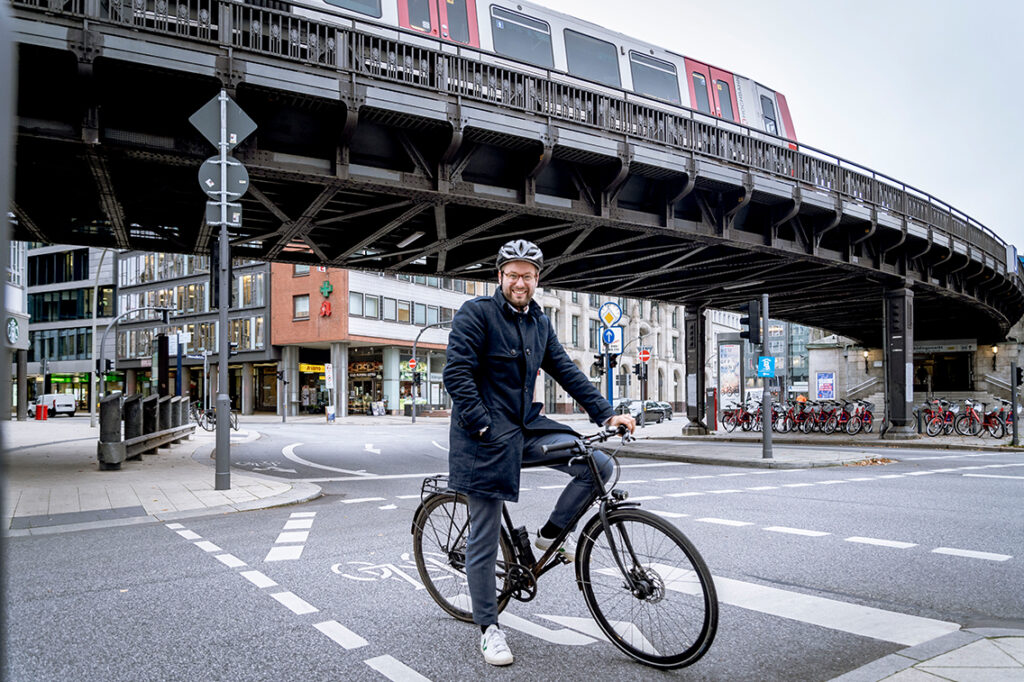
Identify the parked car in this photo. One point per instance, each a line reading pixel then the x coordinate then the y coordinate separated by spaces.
pixel 58 403
pixel 653 412
pixel 666 408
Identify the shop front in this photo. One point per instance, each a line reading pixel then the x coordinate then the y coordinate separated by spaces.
pixel 312 391
pixel 366 386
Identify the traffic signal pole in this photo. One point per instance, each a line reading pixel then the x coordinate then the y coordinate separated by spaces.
pixel 1013 401
pixel 766 395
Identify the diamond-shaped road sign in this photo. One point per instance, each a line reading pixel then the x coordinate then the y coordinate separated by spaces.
pixel 207 122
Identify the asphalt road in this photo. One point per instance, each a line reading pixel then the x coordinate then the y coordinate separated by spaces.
pixel 819 572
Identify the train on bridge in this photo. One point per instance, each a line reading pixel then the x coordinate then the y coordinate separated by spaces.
pixel 530 34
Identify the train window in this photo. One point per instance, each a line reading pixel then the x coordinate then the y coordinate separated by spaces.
pixel 521 37
pixel 458 21
pixel 654 77
pixel 724 99
pixel 419 14
pixel 590 58
pixel 370 8
pixel 700 89
pixel 768 111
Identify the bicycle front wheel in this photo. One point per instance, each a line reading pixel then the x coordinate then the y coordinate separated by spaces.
pixel 440 532
pixel 234 420
pixel 208 421
pixel 669 619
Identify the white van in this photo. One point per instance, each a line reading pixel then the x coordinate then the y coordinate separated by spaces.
pixel 58 403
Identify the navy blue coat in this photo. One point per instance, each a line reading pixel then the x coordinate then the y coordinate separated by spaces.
pixel 493 356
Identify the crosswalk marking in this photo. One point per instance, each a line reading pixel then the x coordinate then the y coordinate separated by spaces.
pixel 284 553
pixel 393 669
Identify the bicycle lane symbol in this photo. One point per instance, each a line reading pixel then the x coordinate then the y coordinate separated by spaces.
pixel 366 571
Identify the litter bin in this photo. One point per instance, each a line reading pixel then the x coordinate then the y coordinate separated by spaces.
pixel 41 411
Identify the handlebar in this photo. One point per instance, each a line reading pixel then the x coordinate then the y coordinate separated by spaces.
pixel 580 445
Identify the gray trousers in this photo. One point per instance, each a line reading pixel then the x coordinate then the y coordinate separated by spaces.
pixel 485 521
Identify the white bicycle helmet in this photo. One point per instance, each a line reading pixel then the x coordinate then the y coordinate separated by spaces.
pixel 520 249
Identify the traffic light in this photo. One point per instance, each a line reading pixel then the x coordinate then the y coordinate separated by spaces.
pixel 613 361
pixel 1020 376
pixel 417 378
pixel 752 321
pixel 598 366
pixel 280 376
pixel 109 366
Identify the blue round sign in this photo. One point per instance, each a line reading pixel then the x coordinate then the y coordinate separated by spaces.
pixel 609 336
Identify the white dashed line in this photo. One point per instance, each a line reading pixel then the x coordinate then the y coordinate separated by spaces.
pixel 388 506
pixel 298 524
pixel 230 560
pixel 295 604
pixel 765 487
pixel 797 485
pixel 284 553
pixel 897 475
pixel 668 514
pixel 175 526
pixel 723 492
pixel 971 554
pixel 363 499
pixel 728 475
pixel 412 497
pixel 797 531
pixel 395 670
pixel 912 473
pixel 645 498
pixel 863 478
pixel 683 494
pixel 725 522
pixel 341 635
pixel 1016 478
pixel 831 482
pixel 258 579
pixel 628 482
pixel 549 487
pixel 207 546
pixel 666 480
pixel 895 544
pixel 190 535
pixel 292 536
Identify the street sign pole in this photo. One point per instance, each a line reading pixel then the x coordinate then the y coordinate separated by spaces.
pixel 1015 441
pixel 222 477
pixel 766 396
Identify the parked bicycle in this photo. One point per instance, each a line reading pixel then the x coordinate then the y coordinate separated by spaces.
pixel 207 418
pixel 643 581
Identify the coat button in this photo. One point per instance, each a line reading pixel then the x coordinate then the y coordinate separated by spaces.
pixel 527 351
pixel 513 352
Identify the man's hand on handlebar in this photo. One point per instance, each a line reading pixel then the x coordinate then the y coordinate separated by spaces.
pixel 621 420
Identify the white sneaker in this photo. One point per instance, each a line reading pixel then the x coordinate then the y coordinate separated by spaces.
pixel 568 548
pixel 494 647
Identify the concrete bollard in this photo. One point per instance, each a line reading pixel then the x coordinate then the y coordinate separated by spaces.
pixel 132 409
pixel 110 450
pixel 165 417
pixel 150 417
pixel 176 415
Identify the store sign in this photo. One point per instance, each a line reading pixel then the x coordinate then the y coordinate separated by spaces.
pixel 946 346
pixel 311 369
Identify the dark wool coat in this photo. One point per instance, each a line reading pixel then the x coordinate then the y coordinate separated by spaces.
pixel 493 357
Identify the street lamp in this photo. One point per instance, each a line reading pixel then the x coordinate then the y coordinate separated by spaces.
pixel 415 384
pixel 866 360
pixel 995 352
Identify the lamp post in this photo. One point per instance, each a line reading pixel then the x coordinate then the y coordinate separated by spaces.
pixel 415 392
pixel 95 308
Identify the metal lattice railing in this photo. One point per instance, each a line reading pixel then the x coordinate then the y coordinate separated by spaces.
pixel 280 34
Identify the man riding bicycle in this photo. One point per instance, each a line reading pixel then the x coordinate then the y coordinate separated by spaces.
pixel 495 349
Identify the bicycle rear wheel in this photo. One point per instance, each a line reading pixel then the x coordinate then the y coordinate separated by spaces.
pixel 234 420
pixel 208 420
pixel 729 422
pixel 440 532
pixel 670 619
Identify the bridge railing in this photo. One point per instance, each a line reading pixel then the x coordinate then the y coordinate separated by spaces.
pixel 307 40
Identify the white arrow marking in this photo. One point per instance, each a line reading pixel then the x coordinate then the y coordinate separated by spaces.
pixel 370 448
pixel 627 631
pixel 436 444
pixel 289 452
pixel 566 637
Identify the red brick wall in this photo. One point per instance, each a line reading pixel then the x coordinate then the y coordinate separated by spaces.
pixel 284 286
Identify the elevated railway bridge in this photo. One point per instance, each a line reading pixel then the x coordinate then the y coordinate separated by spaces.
pixel 369 139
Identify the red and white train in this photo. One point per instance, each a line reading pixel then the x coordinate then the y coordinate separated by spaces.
pixel 518 33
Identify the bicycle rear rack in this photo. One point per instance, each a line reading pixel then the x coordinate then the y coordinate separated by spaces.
pixel 432 485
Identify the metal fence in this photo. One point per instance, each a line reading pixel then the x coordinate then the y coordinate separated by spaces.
pixel 274 31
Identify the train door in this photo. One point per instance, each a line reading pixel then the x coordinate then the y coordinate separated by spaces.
pixel 451 20
pixel 712 90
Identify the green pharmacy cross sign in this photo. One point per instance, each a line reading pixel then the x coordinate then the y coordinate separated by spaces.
pixel 326 289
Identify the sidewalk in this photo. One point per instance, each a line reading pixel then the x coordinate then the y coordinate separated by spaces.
pixel 52 481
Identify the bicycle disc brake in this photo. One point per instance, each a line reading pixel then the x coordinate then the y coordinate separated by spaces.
pixel 647 584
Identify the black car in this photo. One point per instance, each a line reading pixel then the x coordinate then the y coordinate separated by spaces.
pixel 666 408
pixel 653 412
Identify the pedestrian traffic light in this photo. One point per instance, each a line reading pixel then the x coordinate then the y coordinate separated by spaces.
pixel 280 377
pixel 417 378
pixel 613 361
pixel 752 321
pixel 1020 376
pixel 598 366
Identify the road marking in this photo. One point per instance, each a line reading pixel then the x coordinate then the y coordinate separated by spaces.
pixel 971 554
pixel 393 669
pixel 388 506
pixel 628 482
pixel 898 475
pixel 284 553
pixel 564 636
pixel 666 480
pixel 682 494
pixel 831 482
pixel 645 498
pixel 294 603
pixel 895 544
pixel 694 478
pixel 438 445
pixel 258 579
pixel 289 452
pixel 727 475
pixel 863 478
pixel 549 487
pixel 341 635
pixel 363 499
pixel 302 515
pixel 765 487
pixel 915 473
pixel 175 526
pixel 1016 478
pixel 588 626
pixel 723 492
pixel 667 514
pixel 797 531
pixel 190 535
pixel 370 448
pixel 230 560
pixel 207 546
pixel 725 522
pixel 412 497
pixel 292 536
pixel 797 485
pixel 298 524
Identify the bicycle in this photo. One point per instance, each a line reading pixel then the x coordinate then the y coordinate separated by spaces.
pixel 643 581
pixel 208 419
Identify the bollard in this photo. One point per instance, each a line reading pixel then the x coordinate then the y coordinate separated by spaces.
pixel 917 416
pixel 175 416
pixel 132 409
pixel 110 450
pixel 165 417
pixel 150 418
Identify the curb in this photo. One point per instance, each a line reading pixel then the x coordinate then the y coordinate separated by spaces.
pixel 754 463
pixel 919 443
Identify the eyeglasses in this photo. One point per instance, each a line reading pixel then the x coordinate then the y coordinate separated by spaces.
pixel 527 279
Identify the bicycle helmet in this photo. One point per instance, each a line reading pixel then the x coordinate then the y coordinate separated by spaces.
pixel 520 249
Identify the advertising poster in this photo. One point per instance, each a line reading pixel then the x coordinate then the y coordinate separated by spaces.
pixel 826 383
pixel 729 374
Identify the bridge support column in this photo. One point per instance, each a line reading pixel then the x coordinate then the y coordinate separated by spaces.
pixel 248 386
pixel 693 331
pixel 392 379
pixel 899 363
pixel 339 359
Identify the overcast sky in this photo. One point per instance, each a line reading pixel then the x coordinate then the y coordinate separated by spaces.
pixel 928 92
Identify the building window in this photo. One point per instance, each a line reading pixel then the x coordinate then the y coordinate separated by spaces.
pixel 371 307
pixel 300 270
pixel 575 297
pixel 419 314
pixel 404 312
pixel 675 318
pixel 576 331
pixel 595 334
pixel 300 307
pixel 355 303
pixel 390 309
pixel 595 301
pixel 447 314
pixel 432 314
